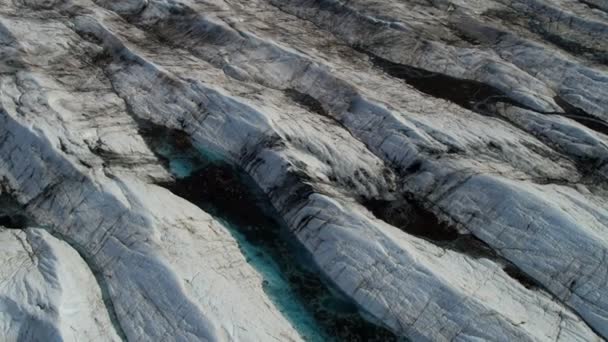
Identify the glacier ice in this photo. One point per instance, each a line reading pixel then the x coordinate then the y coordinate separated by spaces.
pixel 438 169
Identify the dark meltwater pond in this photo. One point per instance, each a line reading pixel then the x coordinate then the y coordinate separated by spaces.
pixel 414 219
pixel 469 94
pixel 10 213
pixel 317 311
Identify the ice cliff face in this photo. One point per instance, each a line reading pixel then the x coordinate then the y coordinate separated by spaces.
pixel 259 170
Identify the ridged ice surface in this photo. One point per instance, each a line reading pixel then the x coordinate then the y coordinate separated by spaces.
pixel 285 170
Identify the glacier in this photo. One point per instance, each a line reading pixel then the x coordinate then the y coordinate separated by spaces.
pixel 303 170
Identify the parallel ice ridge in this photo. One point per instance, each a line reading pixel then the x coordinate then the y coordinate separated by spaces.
pixel 481 128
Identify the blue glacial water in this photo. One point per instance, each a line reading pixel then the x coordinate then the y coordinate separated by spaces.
pixel 290 279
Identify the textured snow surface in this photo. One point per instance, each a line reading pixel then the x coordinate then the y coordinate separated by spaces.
pixel 441 166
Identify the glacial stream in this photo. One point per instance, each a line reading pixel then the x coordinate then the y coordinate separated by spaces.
pixel 315 310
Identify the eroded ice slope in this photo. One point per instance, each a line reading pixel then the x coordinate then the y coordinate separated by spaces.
pixel 438 169
pixel 48 291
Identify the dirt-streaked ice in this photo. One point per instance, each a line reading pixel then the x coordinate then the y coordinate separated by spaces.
pixel 493 125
